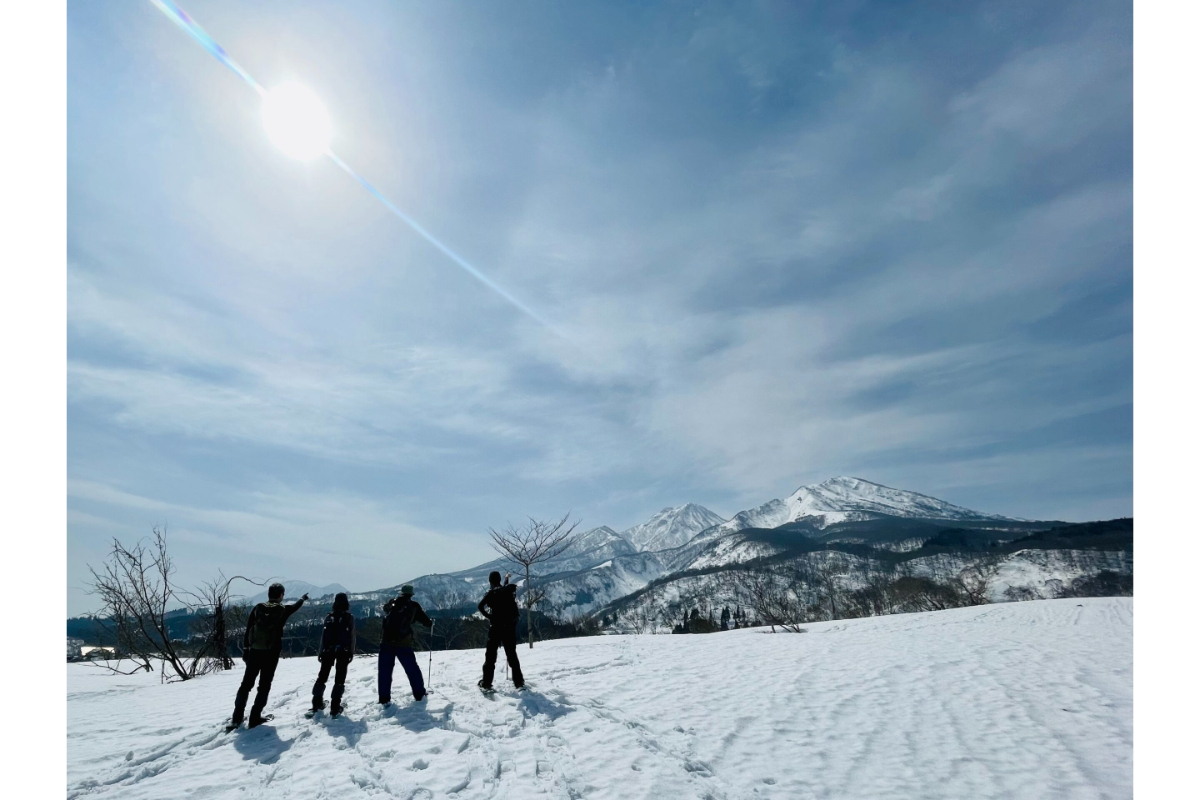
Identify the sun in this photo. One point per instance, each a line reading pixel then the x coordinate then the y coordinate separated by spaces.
pixel 296 121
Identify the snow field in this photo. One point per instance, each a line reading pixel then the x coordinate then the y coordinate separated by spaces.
pixel 1017 700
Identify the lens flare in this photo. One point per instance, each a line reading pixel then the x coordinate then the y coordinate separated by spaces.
pixel 296 121
pixel 298 124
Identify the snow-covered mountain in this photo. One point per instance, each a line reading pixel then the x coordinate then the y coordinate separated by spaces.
pixel 294 590
pixel 603 566
pixel 671 527
pixel 602 542
pixel 846 499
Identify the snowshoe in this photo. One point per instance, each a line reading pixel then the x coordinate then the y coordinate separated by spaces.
pixel 485 688
pixel 336 711
pixel 254 723
pixel 232 726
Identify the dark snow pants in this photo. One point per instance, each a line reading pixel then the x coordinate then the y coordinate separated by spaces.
pixel 506 637
pixel 388 654
pixel 260 666
pixel 339 678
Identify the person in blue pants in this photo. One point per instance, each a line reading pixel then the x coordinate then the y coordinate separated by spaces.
pixel 397 644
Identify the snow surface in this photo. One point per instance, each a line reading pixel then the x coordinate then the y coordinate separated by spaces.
pixel 1017 700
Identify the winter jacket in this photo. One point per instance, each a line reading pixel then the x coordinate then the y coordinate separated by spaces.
pixel 337 639
pixel 264 627
pixel 500 605
pixel 400 614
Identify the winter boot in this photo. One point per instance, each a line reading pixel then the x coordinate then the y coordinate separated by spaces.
pixel 335 710
pixel 318 704
pixel 383 701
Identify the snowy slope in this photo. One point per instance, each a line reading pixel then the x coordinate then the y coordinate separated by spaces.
pixel 845 499
pixel 671 527
pixel 1014 701
pixel 589 549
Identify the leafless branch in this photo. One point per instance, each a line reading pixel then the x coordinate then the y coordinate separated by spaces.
pixel 534 543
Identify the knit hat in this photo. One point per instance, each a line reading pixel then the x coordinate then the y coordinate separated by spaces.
pixel 406 590
pixel 494 578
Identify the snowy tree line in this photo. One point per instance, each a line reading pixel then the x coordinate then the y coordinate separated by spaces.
pixel 786 593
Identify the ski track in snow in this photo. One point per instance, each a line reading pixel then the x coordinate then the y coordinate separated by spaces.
pixel 1020 700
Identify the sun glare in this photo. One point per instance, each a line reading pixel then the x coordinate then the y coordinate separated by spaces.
pixel 296 121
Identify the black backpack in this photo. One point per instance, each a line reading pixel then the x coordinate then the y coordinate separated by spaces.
pixel 267 633
pixel 503 602
pixel 397 625
pixel 337 636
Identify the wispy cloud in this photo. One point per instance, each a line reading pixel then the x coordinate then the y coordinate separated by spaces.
pixel 781 244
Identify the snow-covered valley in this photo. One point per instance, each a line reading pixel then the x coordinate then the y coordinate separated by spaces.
pixel 1017 700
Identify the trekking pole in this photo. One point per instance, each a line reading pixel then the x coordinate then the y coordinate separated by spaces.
pixel 432 622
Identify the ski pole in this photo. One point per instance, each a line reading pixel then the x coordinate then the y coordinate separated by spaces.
pixel 432 622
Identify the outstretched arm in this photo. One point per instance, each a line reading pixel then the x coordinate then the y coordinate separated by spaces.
pixel 421 617
pixel 294 607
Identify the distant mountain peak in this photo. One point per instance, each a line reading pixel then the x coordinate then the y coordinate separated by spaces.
pixel 847 499
pixel 293 590
pixel 671 527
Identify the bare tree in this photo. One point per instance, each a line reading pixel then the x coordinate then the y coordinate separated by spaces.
pixel 214 616
pixel 769 596
pixel 924 594
pixel 136 593
pixel 827 578
pixel 975 581
pixel 535 543
pixel 138 601
pixel 874 594
pixel 1015 594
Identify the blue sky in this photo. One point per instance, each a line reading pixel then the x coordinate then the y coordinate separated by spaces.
pixel 782 242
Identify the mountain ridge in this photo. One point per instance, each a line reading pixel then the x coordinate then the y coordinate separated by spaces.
pixel 671 527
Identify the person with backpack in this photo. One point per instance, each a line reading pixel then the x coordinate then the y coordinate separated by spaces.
pixel 399 615
pixel 499 606
pixel 337 651
pixel 261 645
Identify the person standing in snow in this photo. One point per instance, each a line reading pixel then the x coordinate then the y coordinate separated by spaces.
pixel 399 615
pixel 261 646
pixel 499 606
pixel 337 651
